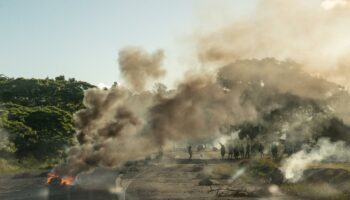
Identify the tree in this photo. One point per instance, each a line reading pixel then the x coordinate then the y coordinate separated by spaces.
pixel 38 131
pixel 60 78
pixel 67 95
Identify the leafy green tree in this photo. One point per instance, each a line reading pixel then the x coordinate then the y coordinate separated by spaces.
pixel 64 94
pixel 38 131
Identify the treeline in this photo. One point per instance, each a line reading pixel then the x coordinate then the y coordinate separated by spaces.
pixel 36 116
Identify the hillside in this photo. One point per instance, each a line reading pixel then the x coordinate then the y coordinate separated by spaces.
pixel 36 119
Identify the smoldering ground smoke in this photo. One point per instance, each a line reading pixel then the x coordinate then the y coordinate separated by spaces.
pixel 275 97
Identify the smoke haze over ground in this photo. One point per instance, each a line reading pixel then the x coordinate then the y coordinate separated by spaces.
pixel 299 92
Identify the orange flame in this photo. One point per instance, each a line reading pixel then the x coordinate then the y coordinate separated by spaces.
pixel 69 180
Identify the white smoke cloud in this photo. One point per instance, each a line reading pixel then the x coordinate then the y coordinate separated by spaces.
pixel 294 166
pixel 331 4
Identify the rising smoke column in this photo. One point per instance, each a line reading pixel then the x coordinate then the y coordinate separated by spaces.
pixel 109 129
pixel 139 67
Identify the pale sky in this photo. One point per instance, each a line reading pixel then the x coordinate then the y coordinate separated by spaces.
pixel 81 38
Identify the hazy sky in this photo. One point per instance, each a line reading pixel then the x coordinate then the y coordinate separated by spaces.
pixel 81 38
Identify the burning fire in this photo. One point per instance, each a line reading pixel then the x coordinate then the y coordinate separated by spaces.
pixel 64 180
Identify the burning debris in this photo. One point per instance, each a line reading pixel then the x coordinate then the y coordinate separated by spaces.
pixel 55 179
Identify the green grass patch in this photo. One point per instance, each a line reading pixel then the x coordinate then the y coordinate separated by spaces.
pixel 14 166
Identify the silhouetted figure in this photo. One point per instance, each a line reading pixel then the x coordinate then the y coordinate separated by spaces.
pixel 288 149
pixel 261 150
pixel 230 151
pixel 247 150
pixel 236 152
pixel 189 149
pixel 223 151
pixel 274 151
pixel 241 151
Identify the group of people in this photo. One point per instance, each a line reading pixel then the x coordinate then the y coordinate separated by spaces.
pixel 240 151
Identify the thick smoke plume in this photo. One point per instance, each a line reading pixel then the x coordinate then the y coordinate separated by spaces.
pixel 109 130
pixel 267 99
pixel 286 29
pixel 298 30
pixel 139 67
pixel 118 125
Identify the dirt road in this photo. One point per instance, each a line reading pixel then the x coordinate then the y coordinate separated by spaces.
pixel 172 181
pixel 167 179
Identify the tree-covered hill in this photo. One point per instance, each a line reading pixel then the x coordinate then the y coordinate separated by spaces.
pixel 64 94
pixel 36 116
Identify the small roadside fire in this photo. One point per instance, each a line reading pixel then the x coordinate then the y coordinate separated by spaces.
pixel 53 178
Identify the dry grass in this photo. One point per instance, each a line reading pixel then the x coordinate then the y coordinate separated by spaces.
pixel 224 170
pixel 314 191
pixel 345 166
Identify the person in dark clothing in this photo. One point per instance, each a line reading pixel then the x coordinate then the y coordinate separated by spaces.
pixel 222 151
pixel 189 149
pixel 230 151
pixel 261 150
pixel 241 151
pixel 247 150
pixel 236 152
pixel 274 151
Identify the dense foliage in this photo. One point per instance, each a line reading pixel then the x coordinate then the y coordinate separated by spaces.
pixel 64 94
pixel 36 115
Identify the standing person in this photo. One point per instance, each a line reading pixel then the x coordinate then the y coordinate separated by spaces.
pixel 230 151
pixel 241 151
pixel 223 151
pixel 261 150
pixel 247 150
pixel 236 152
pixel 189 149
pixel 274 151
